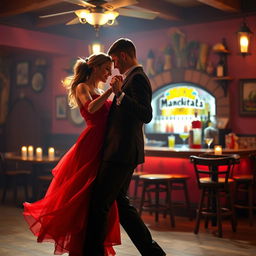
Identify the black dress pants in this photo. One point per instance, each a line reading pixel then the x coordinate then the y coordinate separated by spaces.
pixel 111 184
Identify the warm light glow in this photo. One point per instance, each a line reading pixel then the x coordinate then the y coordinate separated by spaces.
pixel 217 150
pixel 95 48
pixel 244 44
pixel 82 14
pixel 30 151
pixel 51 153
pixel 24 152
pixel 39 153
pixel 96 18
pixel 244 36
pixel 67 80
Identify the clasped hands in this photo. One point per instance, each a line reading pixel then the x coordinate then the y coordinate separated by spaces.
pixel 116 84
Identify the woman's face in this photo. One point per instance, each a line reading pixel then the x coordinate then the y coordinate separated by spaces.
pixel 103 71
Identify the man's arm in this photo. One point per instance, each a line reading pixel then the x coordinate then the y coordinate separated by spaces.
pixel 139 103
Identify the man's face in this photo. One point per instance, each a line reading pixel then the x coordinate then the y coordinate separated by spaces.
pixel 119 62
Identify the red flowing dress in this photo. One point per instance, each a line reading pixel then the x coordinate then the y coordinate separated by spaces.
pixel 61 216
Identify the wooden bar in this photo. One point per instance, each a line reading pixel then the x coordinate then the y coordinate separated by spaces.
pixel 185 153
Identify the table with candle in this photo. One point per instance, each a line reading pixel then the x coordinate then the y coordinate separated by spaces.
pixel 38 162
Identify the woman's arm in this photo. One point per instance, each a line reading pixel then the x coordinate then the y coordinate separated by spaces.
pixel 83 94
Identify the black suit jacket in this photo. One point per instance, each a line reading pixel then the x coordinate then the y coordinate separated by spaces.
pixel 124 141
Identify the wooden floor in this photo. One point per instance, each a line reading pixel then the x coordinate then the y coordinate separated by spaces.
pixel 17 240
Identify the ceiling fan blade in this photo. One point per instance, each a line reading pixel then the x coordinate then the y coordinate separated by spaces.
pixel 141 14
pixel 81 3
pixel 55 14
pixel 118 4
pixel 73 21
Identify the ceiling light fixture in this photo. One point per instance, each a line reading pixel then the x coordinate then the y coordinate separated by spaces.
pixel 96 18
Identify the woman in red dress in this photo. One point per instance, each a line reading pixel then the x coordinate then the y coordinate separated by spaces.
pixel 61 216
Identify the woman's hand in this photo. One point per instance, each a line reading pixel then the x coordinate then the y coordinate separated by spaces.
pixel 116 84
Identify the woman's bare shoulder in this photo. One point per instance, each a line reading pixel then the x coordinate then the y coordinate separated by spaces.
pixel 82 87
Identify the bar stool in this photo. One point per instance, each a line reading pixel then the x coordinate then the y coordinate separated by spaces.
pixel 212 175
pixel 245 185
pixel 157 183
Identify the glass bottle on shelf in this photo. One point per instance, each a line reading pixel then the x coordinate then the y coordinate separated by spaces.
pixel 196 133
pixel 220 68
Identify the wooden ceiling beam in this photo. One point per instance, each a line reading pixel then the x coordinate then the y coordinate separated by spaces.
pixel 224 5
pixel 166 10
pixel 14 7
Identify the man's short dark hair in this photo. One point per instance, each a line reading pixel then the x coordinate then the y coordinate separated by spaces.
pixel 123 45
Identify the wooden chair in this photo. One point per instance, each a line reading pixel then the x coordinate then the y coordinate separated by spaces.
pixel 245 186
pixel 213 179
pixel 13 178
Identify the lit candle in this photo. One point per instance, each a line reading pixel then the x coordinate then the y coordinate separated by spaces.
pixel 24 152
pixel 51 153
pixel 217 150
pixel 30 151
pixel 39 153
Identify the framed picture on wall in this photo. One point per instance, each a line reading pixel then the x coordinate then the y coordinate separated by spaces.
pixel 38 81
pixel 248 97
pixel 22 73
pixel 75 117
pixel 61 107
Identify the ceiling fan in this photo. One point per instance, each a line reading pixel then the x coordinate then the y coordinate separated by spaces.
pixel 101 12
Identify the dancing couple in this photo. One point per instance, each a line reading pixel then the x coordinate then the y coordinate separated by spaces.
pixel 87 199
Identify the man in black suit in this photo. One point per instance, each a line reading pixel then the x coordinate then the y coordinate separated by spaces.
pixel 123 151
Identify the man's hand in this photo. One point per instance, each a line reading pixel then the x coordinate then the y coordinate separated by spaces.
pixel 116 84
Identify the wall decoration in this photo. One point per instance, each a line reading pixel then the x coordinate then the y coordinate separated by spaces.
pixel 22 73
pixel 38 81
pixel 150 70
pixel 61 107
pixel 75 116
pixel 4 96
pixel 248 97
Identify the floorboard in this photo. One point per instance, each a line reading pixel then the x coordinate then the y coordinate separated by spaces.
pixel 17 240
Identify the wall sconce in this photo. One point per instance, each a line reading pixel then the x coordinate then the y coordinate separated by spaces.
pixel 95 48
pixel 244 35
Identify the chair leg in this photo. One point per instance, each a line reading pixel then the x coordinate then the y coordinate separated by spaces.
pixel 5 190
pixel 142 198
pixel 136 184
pixel 230 202
pixel 26 190
pixel 157 203
pixel 149 200
pixel 250 195
pixel 208 203
pixel 199 211
pixel 15 190
pixel 219 217
pixel 169 204
pixel 185 188
pixel 166 198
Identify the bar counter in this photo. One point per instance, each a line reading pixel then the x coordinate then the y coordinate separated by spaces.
pixel 164 160
pixel 186 152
